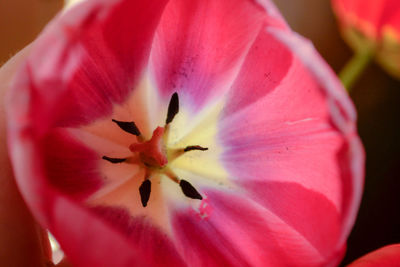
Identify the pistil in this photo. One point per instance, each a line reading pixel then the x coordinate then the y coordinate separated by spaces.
pixel 153 152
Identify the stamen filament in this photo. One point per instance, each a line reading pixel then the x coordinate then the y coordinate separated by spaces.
pixel 187 188
pixel 171 175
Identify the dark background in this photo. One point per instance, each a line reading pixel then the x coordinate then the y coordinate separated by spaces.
pixel 376 96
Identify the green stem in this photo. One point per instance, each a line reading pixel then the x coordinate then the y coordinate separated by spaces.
pixel 353 69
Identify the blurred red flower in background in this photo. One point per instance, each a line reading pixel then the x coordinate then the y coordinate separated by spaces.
pixel 388 256
pixel 256 162
pixel 372 27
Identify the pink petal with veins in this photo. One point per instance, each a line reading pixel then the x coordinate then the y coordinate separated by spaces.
pixel 156 246
pixel 200 46
pixel 266 64
pixel 350 156
pixel 240 232
pixel 70 166
pixel 81 65
pixel 88 240
pixel 294 150
pixel 95 56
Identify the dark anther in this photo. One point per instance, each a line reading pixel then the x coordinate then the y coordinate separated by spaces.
pixel 128 126
pixel 173 108
pixel 189 190
pixel 113 160
pixel 189 148
pixel 144 191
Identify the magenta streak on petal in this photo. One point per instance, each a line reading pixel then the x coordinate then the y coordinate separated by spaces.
pixel 70 166
pixel 199 46
pixel 309 212
pixel 292 154
pixel 266 64
pixel 156 247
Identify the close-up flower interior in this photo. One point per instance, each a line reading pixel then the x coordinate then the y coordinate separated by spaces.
pixel 199 133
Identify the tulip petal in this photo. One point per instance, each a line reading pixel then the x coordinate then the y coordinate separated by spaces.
pixel 78 230
pixel 238 232
pixel 96 66
pixel 73 224
pixel 156 246
pixel 391 16
pixel 278 129
pixel 351 156
pixel 266 64
pixel 370 16
pixel 190 60
pixel 301 209
pixel 89 67
pixel 298 133
pixel 70 165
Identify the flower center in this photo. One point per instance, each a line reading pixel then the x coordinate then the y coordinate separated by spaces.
pixel 153 155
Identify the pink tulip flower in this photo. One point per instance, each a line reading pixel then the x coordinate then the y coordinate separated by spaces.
pixel 185 133
pixel 388 256
pixel 373 27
